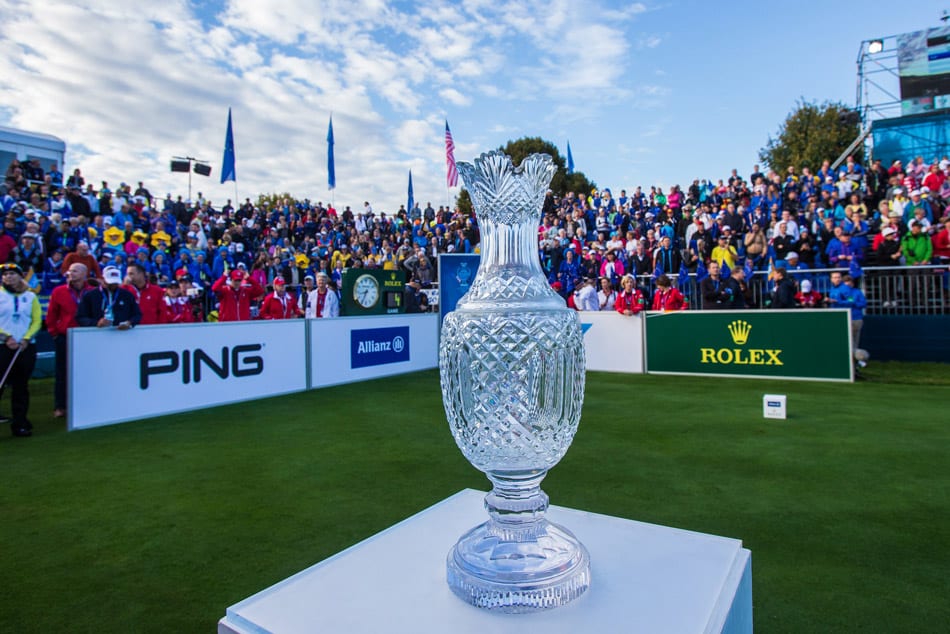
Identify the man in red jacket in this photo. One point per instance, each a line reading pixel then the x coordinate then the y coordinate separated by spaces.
pixel 280 304
pixel 150 298
pixel 235 293
pixel 60 317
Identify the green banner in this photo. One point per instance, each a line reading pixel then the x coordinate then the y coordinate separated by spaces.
pixel 372 292
pixel 795 344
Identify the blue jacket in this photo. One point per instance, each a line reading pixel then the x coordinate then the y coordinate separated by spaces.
pixel 856 302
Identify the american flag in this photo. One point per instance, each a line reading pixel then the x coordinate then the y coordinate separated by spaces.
pixel 452 174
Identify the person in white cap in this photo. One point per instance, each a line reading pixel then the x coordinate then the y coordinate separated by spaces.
pixel 109 305
pixel 807 297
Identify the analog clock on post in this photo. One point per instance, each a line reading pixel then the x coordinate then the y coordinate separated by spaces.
pixel 366 291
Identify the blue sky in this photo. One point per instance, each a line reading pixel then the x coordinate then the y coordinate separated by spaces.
pixel 646 92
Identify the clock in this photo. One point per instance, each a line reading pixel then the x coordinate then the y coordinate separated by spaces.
pixel 366 291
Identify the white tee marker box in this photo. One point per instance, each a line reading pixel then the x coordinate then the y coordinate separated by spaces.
pixel 773 406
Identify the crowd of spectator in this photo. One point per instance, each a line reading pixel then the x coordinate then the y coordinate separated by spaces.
pixel 192 260
pixel 721 233
pixel 122 257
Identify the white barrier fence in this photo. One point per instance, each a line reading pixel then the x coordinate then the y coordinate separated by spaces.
pixel 116 377
pixel 613 342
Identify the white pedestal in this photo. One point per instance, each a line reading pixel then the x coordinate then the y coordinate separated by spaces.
pixel 645 578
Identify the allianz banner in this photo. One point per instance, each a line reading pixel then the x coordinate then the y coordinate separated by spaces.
pixel 353 349
pixel 793 344
pixel 153 370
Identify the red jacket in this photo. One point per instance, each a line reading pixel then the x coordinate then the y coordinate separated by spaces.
pixel 273 308
pixel 670 300
pixel 236 305
pixel 7 245
pixel 151 301
pixel 61 314
pixel 941 244
pixel 179 311
pixel 630 301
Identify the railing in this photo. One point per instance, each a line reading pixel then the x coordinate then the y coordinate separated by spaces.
pixel 890 290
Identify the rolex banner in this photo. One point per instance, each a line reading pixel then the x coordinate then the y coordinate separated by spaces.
pixel 792 344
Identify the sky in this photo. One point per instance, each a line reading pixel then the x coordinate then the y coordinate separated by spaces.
pixel 647 93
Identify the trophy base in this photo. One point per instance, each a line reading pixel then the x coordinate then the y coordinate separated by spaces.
pixel 510 571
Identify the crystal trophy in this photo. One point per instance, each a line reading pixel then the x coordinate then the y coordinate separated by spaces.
pixel 512 371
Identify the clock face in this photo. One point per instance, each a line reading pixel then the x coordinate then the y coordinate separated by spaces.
pixel 366 291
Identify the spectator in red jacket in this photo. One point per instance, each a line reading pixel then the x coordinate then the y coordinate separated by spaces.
pixel 630 301
pixel 82 256
pixel 235 294
pixel 280 304
pixel 60 317
pixel 806 297
pixel 666 297
pixel 7 245
pixel 150 297
pixel 941 243
pixel 178 307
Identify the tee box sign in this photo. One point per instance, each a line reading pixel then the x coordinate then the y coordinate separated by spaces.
pixel 792 344
pixel 372 292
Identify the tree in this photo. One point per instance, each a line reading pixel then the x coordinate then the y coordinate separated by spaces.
pixel 561 183
pixel 811 134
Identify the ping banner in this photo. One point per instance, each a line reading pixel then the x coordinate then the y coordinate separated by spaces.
pixel 788 344
pixel 153 370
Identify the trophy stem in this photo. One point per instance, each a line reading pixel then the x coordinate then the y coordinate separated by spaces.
pixel 516 504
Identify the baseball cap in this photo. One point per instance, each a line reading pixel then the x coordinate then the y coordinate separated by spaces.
pixel 237 274
pixel 790 255
pixel 279 281
pixel 888 231
pixel 806 286
pixel 112 275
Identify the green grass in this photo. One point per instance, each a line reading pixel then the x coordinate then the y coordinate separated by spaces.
pixel 160 525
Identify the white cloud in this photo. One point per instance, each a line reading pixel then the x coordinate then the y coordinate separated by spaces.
pixel 128 85
pixel 453 96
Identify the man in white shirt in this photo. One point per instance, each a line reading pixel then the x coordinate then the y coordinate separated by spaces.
pixel 585 297
pixel 323 301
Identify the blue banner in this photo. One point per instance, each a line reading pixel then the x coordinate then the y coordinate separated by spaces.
pixel 378 346
pixel 456 274
pixel 331 168
pixel 227 165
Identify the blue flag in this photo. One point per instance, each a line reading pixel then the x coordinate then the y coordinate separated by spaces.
pixel 570 159
pixel 725 271
pixel 331 169
pixel 412 200
pixel 227 165
pixel 682 280
pixel 855 269
pixel 749 271
pixel 657 272
pixel 701 272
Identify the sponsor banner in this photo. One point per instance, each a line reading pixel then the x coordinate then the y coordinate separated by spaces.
pixel 149 371
pixel 794 344
pixel 378 346
pixel 360 348
pixel 456 273
pixel 613 342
